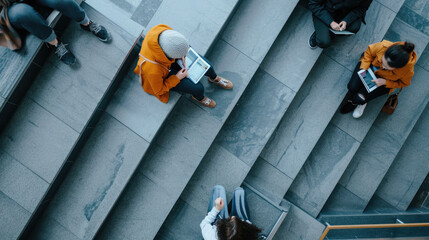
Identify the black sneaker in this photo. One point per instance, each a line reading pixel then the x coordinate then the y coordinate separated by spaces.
pixel 312 41
pixel 64 54
pixel 97 30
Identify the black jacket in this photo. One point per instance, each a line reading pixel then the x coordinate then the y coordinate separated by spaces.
pixel 348 10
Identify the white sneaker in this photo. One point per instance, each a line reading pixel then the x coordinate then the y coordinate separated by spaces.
pixel 357 113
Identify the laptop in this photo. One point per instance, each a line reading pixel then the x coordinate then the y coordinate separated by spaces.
pixel 197 66
pixel 366 76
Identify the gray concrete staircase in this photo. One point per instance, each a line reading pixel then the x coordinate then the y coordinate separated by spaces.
pixel 53 120
pixel 114 150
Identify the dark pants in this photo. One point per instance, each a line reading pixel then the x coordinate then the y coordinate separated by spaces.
pixel 323 35
pixel 239 206
pixel 187 86
pixel 356 88
pixel 26 16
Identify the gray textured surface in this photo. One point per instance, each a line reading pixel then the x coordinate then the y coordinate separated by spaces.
pixel 388 133
pixel 145 11
pixel 139 111
pixel 409 169
pixel 424 62
pixel 322 170
pixel 305 120
pixel 27 189
pixel 421 7
pixel 51 229
pixel 268 180
pixel 394 5
pixel 72 94
pixel 412 18
pixel 299 225
pixel 291 46
pixel 13 218
pixel 348 50
pixel 266 100
pixel 38 140
pixel 211 16
pixel 252 32
pixel 104 167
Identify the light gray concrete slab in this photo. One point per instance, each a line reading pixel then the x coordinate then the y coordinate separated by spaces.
pixel 299 225
pixel 182 15
pixel 394 5
pixel 38 140
pixel 104 167
pixel 343 201
pixel 145 11
pixel 20 184
pixel 253 33
pixel 409 169
pixel 231 64
pixel 218 167
pixel 424 59
pixel 401 31
pixel 139 209
pixel 139 111
pixel 50 229
pixel 186 137
pixel 290 59
pixel 72 94
pixel 347 50
pixel 388 133
pixel 307 117
pixel 20 60
pixel 268 180
pixel 421 7
pixel 322 170
pixel 265 100
pixel 13 218
pixel 185 221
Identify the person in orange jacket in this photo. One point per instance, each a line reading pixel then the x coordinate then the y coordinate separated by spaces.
pixel 392 64
pixel 160 73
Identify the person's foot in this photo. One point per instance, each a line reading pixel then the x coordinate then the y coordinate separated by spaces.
pixel 64 54
pixel 312 41
pixel 98 30
pixel 357 113
pixel 348 107
pixel 225 83
pixel 206 102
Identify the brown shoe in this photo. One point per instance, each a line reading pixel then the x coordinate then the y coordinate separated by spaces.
pixel 206 102
pixel 225 83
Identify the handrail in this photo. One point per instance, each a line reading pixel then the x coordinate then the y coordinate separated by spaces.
pixel 396 225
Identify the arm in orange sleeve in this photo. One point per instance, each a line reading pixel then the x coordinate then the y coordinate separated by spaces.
pixel 368 56
pixel 400 83
pixel 161 86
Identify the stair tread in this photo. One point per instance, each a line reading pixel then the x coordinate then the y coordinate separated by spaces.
pixel 59 105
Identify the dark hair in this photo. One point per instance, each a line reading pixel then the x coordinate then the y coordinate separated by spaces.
pixel 398 55
pixel 234 228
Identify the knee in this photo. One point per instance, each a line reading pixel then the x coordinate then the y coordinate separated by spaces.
pixel 198 89
pixel 20 13
pixel 359 99
pixel 354 27
pixel 61 4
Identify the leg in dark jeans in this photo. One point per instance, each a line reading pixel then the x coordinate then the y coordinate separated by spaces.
pixel 358 94
pixel 323 35
pixel 239 206
pixel 354 26
pixel 70 8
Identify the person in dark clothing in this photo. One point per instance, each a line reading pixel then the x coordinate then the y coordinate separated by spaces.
pixel 26 14
pixel 338 15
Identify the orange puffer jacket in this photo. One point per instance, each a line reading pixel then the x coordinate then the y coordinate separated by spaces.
pixel 397 78
pixel 153 66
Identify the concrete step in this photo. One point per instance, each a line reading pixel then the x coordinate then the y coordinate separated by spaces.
pixel 309 116
pixel 421 200
pixel 409 169
pixel 157 176
pixel 299 225
pixel 56 114
pixel 389 132
pixel 234 144
pixel 19 68
pixel 114 150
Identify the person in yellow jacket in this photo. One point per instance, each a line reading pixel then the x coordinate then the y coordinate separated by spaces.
pixel 160 73
pixel 393 65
